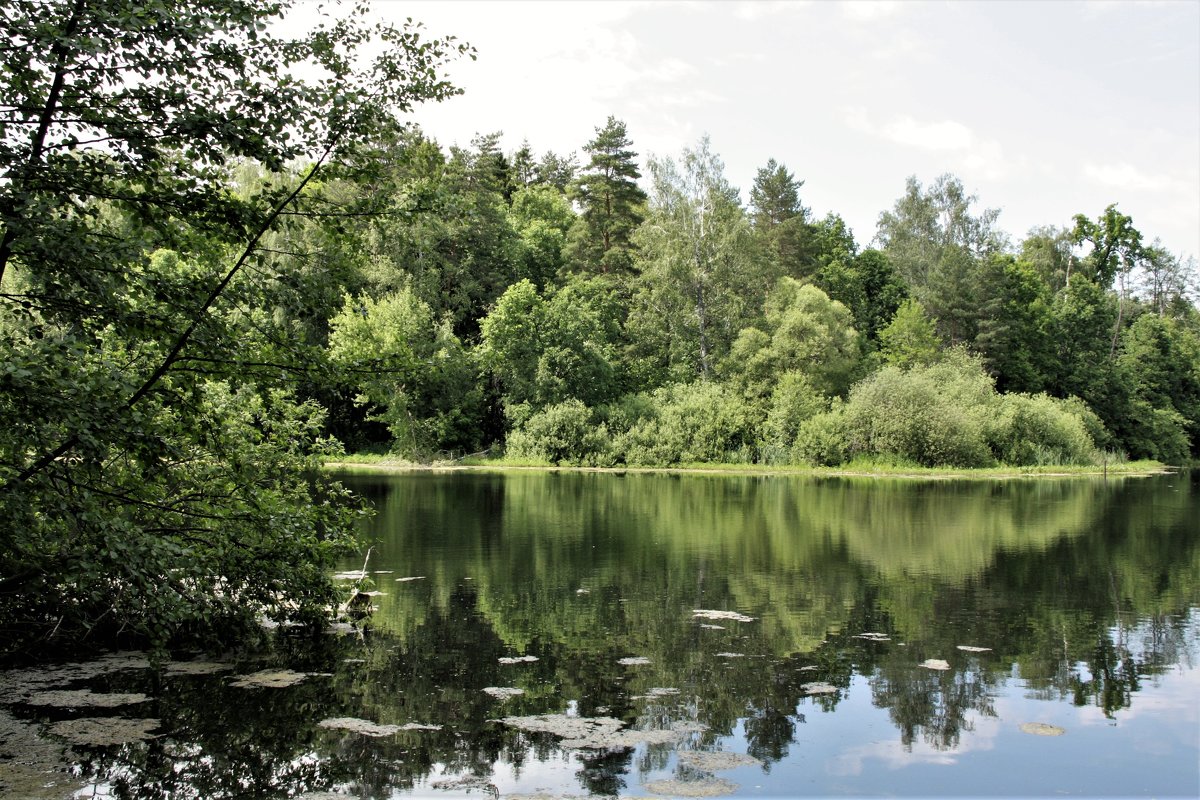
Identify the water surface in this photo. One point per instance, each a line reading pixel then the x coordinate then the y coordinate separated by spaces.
pixel 838 666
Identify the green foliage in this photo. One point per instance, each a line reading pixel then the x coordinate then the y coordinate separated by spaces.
pixel 808 333
pixel 563 433
pixel 700 270
pixel 1038 429
pixel 684 423
pixel 541 216
pixel 793 402
pixel 411 368
pixel 946 414
pixel 613 204
pixel 156 462
pixel 910 339
pixel 546 349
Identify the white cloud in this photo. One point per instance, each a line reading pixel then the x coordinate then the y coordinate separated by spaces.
pixel 754 10
pixel 1126 176
pixel 944 135
pixel 980 734
pixel 983 157
pixel 869 10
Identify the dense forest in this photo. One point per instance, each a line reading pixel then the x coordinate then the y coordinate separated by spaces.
pixel 224 257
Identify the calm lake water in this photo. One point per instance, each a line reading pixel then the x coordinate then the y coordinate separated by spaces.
pixel 837 666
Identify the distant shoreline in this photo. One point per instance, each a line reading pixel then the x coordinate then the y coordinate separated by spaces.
pixel 1138 469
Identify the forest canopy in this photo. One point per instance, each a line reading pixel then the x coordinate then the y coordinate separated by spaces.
pixel 235 258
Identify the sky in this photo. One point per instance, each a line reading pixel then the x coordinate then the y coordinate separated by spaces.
pixel 1042 109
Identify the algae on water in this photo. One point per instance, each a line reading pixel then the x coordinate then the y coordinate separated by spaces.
pixel 105 731
pixel 707 761
pixel 270 679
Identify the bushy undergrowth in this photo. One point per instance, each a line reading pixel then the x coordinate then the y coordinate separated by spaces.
pixel 948 414
pixel 945 414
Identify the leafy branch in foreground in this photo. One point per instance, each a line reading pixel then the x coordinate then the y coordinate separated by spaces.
pixel 136 496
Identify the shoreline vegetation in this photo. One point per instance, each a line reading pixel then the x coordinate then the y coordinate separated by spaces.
pixel 374 463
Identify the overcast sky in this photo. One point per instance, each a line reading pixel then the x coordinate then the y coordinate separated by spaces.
pixel 1043 109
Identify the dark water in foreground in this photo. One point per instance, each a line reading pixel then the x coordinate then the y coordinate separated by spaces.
pixel 1085 594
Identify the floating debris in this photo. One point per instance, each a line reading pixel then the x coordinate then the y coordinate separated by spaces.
pixel 935 663
pixel 972 649
pixel 702 613
pixel 417 726
pixel 873 636
pixel 84 698
pixel 354 575
pixel 18 685
pixel 819 687
pixel 503 692
pixel 270 679
pixel 715 761
pixel 1042 729
pixel 712 627
pixel 708 787
pixel 196 667
pixel 731 655
pixel 466 782
pixel 583 591
pixel 809 668
pixel 365 727
pixel 517 659
pixel 595 733
pixel 105 731
pixel 633 661
pixel 413 578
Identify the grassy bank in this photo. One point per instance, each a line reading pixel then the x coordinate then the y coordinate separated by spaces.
pixel 388 463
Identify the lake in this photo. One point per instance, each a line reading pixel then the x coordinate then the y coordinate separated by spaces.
pixel 563 634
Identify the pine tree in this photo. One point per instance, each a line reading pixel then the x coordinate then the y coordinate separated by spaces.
pixel 612 203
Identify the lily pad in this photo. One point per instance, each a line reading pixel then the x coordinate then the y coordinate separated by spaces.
pixel 708 787
pixel 104 731
pixel 1042 729
pixel 713 762
pixel 365 727
pixel 935 663
pixel 704 613
pixel 84 698
pixel 269 679
pixel 819 687
pixel 196 667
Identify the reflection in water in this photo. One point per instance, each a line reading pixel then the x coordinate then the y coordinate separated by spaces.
pixel 1083 592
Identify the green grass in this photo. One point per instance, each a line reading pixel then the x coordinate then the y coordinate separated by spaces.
pixel 867 468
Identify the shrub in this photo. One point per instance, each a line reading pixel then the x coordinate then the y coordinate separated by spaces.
pixel 1033 430
pixel 564 433
pixel 686 423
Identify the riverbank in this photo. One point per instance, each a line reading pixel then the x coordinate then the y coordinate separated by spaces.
pixel 383 464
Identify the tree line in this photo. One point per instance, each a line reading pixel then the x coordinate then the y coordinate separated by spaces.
pixel 585 314
pixel 224 256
